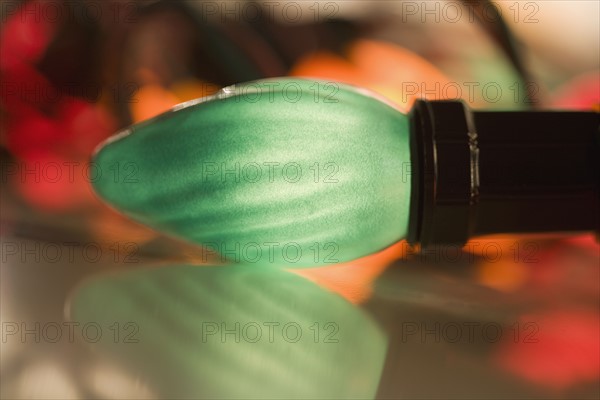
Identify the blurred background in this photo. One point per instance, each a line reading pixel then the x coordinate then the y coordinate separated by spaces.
pixel 504 317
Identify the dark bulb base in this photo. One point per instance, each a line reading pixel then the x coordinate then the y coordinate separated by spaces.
pixel 477 173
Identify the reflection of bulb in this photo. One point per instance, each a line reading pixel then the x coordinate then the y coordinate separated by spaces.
pixel 286 171
pixel 233 332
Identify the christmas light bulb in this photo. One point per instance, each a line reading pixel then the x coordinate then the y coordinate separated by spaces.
pixel 301 173
pixel 290 172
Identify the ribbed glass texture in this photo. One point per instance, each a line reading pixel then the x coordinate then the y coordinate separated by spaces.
pixel 288 172
pixel 234 332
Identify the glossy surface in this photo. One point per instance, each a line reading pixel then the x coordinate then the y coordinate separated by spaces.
pixel 233 332
pixel 286 172
pixel 451 333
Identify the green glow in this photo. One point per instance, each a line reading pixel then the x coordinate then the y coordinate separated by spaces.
pixel 288 172
pixel 338 354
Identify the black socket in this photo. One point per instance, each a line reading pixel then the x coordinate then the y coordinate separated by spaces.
pixel 477 173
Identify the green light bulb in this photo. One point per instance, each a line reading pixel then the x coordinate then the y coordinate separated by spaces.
pixel 288 172
pixel 232 332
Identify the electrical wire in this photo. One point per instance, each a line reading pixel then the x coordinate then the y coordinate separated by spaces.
pixel 498 30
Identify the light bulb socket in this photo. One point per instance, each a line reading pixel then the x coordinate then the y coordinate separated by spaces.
pixel 478 172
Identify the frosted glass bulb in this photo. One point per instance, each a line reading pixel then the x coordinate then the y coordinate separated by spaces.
pixel 289 172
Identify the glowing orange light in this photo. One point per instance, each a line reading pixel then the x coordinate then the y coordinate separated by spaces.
pixel 500 267
pixel 110 226
pixel 150 101
pixel 326 65
pixel 504 275
pixel 190 89
pixel 397 73
pixel 384 68
pixel 153 99
pixel 352 280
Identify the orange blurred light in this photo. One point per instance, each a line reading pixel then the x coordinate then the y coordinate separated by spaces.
pixel 504 275
pixel 191 89
pixel 352 280
pixel 508 261
pixel 393 72
pixel 153 99
pixel 150 101
pixel 109 226
pixel 326 65
pixel 398 73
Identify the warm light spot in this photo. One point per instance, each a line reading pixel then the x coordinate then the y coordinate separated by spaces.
pixel 389 70
pixel 495 246
pixel 504 275
pixel 353 279
pixel 191 89
pixel 153 99
pixel 396 97
pixel 150 101
pixel 406 75
pixel 110 227
pixel 329 66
